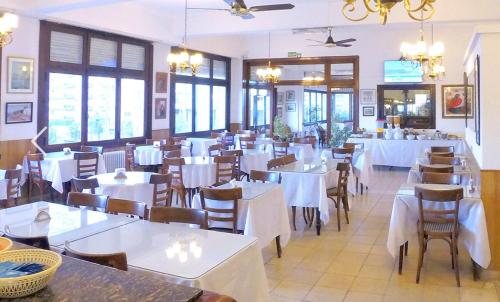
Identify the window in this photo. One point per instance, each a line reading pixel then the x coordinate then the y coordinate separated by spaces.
pixel 314 106
pixel 342 104
pixel 104 99
pixel 200 102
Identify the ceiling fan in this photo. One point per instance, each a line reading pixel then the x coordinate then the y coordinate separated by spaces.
pixel 239 8
pixel 332 43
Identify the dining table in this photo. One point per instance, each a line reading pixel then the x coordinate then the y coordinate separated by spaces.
pixel 262 212
pixel 254 159
pixel 151 155
pixel 60 167
pixel 225 263
pixel 65 223
pixel 201 144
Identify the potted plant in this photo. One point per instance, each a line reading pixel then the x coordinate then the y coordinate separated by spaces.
pixel 281 129
pixel 339 134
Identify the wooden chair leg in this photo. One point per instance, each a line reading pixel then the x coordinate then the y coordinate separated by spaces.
pixel 475 270
pixel 278 245
pixel 337 204
pixel 318 222
pixel 305 215
pixel 346 212
pixel 362 186
pixel 294 210
pixel 455 259
pixel 357 184
pixel 420 258
pixel 406 248
pixel 400 265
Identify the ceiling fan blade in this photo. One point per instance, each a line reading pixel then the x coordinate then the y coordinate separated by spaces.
pixel 263 8
pixel 316 45
pixel 203 8
pixel 247 16
pixel 312 40
pixel 241 3
pixel 229 2
pixel 343 45
pixel 345 41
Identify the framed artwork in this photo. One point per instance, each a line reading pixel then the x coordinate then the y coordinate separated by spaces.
pixel 160 108
pixel 18 113
pixel 291 107
pixel 369 111
pixel 20 75
pixel 453 100
pixel 279 111
pixel 290 95
pixel 367 96
pixel 281 98
pixel 161 83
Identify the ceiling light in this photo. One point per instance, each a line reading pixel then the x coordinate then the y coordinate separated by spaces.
pixel 269 74
pixel 7 24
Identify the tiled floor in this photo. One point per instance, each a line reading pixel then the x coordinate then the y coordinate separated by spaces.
pixel 354 265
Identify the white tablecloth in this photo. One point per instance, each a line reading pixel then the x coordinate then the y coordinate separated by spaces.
pixel 262 212
pixel 301 151
pixel 148 155
pixel 361 167
pixel 198 171
pixel 262 143
pixel 59 168
pixel 200 145
pixel 3 183
pixel 254 160
pixel 402 153
pixel 473 231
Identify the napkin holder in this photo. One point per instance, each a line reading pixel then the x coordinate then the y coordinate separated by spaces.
pixel 67 150
pixel 120 173
pixel 42 215
pixel 156 144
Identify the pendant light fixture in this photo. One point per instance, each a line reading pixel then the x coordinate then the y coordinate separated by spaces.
pixel 183 59
pixel 269 74
pixel 8 22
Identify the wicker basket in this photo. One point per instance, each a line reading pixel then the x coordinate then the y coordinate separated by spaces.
pixel 27 285
pixel 5 244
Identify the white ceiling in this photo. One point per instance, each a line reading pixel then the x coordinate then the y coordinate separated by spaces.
pixel 162 20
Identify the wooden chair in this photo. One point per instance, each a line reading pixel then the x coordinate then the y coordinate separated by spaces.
pixel 225 168
pixel 187 145
pixel 177 140
pixel 215 150
pixel 441 178
pixel 130 164
pixel 441 154
pixel 150 141
pixel 41 242
pixel 222 214
pixel 443 149
pixel 162 196
pixel 274 163
pixel 165 149
pixel 209 296
pixel 13 188
pixel 98 149
pixel 246 132
pixel 228 141
pixel 172 154
pixel 354 146
pixel 78 184
pixel 217 135
pixel 339 193
pixel 92 201
pixel 86 164
pixel 129 207
pixel 238 174
pixel 438 223
pixel 343 153
pixel 35 173
pixel 280 149
pixel 115 260
pixel 443 160
pixel 447 169
pixel 311 140
pixel 247 142
pixel 265 176
pixel 179 215
pixel 173 166
pixel 288 159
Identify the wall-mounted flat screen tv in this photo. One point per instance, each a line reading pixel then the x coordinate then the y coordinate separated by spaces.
pixel 396 71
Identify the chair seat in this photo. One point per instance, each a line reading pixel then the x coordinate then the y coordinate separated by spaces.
pixel 332 191
pixel 436 227
pixel 213 297
pixel 225 230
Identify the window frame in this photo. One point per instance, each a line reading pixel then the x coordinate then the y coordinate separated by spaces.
pixel 322 111
pixel 86 70
pixel 193 80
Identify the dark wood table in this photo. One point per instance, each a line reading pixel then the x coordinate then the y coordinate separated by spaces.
pixel 78 280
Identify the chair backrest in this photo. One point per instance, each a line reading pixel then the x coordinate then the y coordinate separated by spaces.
pixel 225 168
pixel 246 141
pixel 150 141
pixel 444 149
pixel 173 166
pixel 41 242
pixel 342 152
pixel 275 162
pixel 98 149
pixel 172 154
pixel 167 148
pixel 187 145
pixel 444 169
pixel 130 157
pixel 35 166
pixel 228 140
pixel 222 214
pixel 129 207
pixel 176 140
pixel 214 150
pixel 441 178
pixel 280 149
pixel 441 154
pixel 343 177
pixel 115 260
pixel 265 176
pixel 92 201
pixel 179 215
pixel 162 184
pixel 305 140
pixel 13 183
pixel 217 135
pixel 436 215
pixel 237 164
pixel 288 159
pixel 86 164
pixel 79 184
pixel 443 160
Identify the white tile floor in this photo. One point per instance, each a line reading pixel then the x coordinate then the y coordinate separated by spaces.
pixel 354 265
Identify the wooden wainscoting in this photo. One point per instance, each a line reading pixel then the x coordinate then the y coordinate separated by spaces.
pixel 160 134
pixel 490 194
pixel 234 127
pixel 12 152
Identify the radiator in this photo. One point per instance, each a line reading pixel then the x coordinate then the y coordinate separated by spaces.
pixel 114 160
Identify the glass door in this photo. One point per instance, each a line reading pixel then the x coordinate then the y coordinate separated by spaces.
pixel 260 108
pixel 342 106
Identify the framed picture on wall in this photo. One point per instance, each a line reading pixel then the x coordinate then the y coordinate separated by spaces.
pixel 279 111
pixel 20 75
pixel 367 96
pixel 281 98
pixel 160 108
pixel 290 95
pixel 161 82
pixel 369 111
pixel 291 107
pixel 18 113
pixel 453 99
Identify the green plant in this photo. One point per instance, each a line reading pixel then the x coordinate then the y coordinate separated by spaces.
pixel 339 135
pixel 281 129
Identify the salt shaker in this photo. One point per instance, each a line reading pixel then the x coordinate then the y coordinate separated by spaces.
pixel 471 185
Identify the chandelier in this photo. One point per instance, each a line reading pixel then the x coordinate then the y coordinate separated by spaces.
pixel 430 59
pixel 383 8
pixel 183 59
pixel 7 23
pixel 269 74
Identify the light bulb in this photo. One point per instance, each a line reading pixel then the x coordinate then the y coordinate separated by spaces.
pixel 183 257
pixel 436 50
pixel 11 20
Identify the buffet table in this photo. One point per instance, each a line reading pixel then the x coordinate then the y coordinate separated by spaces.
pixel 402 153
